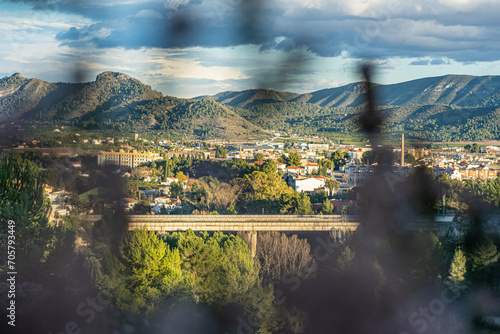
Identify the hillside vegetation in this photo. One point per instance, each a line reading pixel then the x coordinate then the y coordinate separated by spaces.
pixel 118 101
pixel 447 108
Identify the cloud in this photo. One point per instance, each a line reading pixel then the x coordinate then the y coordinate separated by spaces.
pixel 175 4
pixel 461 30
pixel 148 14
pixel 431 61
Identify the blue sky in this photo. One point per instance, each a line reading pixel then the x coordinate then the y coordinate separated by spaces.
pixel 187 48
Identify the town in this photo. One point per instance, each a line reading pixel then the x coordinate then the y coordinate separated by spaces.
pixel 324 173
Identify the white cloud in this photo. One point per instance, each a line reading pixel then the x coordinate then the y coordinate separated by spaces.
pixel 175 4
pixel 149 14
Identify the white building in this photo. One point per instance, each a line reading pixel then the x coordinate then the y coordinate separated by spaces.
pixel 311 167
pixel 169 180
pixel 319 147
pixel 302 184
pixel 295 170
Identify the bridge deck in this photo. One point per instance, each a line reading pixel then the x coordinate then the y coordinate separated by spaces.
pixel 169 223
pixel 164 223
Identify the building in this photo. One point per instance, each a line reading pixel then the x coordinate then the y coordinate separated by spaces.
pixel 297 170
pixel 452 173
pixel 124 158
pixel 169 180
pixel 419 153
pixel 312 167
pixel 307 184
pixel 318 147
pixel 58 204
pixel 128 203
pixel 356 154
pixel 193 154
pixel 281 166
pixel 47 189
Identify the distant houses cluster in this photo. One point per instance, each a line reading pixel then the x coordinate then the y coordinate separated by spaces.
pixel 303 177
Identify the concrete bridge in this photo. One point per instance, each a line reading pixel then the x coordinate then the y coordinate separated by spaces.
pixel 250 223
pixel 339 225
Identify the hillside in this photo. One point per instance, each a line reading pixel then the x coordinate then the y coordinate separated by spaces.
pixel 202 119
pixel 452 90
pixel 429 123
pixel 250 98
pixel 67 101
pixel 448 108
pixel 117 101
pixel 19 95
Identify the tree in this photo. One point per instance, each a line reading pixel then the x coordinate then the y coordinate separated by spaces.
pixel 153 272
pixel 176 190
pixel 327 208
pixel 293 159
pixel 221 153
pixel 221 266
pixel 266 186
pixel 332 185
pixel 319 196
pixel 456 274
pixel 346 259
pixel 483 258
pixel 269 167
pixel 259 157
pixel 211 194
pixel 295 203
pixel 143 207
pixel 21 192
pixel 339 158
pixel 181 177
pixel 163 210
pixel 22 200
pixel 283 257
pixel 231 210
pixel 410 159
pixel 167 168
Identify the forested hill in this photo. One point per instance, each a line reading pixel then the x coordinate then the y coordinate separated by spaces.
pixel 450 90
pixel 250 98
pixel 118 101
pixel 448 108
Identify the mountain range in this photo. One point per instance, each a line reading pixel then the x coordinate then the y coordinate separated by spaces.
pixel 451 90
pixel 446 108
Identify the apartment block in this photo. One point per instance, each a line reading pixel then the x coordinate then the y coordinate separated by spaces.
pixel 124 158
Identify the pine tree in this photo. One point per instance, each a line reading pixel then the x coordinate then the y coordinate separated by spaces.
pixel 483 258
pixel 304 206
pixel 345 259
pixel 327 207
pixel 167 169
pixel 231 210
pixel 456 274
pixel 152 272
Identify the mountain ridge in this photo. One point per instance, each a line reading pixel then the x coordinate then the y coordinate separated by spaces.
pixel 116 101
pixel 455 90
pixel 451 108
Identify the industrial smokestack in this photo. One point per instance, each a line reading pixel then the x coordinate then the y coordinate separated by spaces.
pixel 402 149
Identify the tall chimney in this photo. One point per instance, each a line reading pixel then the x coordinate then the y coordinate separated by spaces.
pixel 402 149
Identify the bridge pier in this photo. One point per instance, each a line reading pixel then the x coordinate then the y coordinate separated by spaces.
pixel 252 243
pixel 250 238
